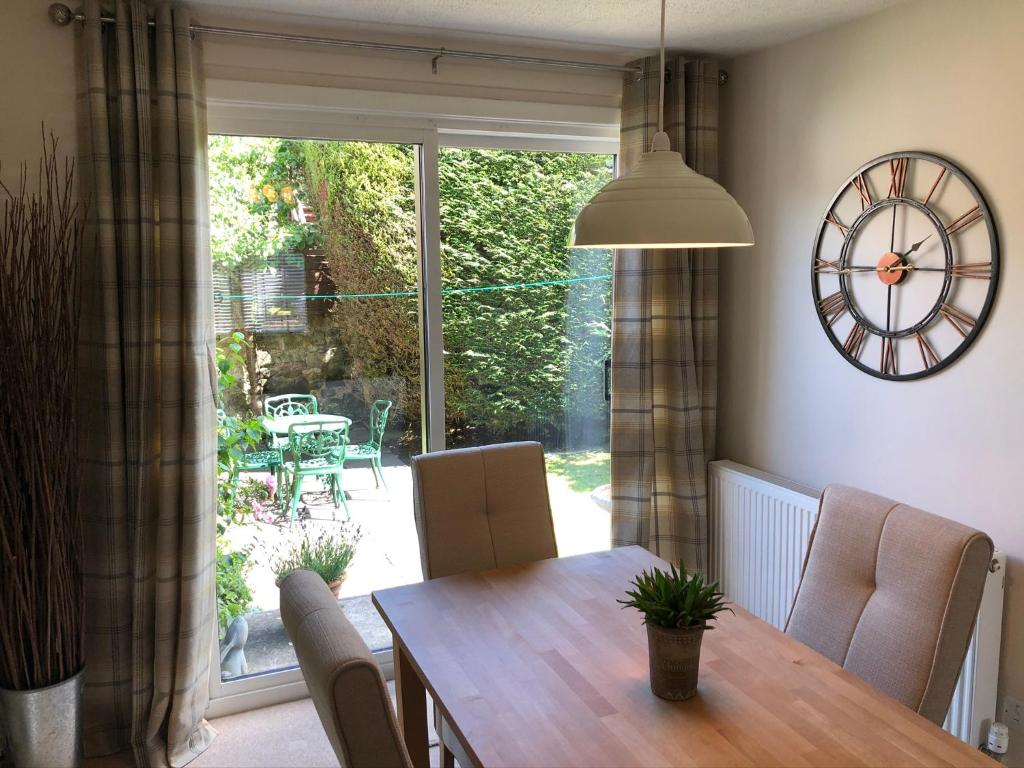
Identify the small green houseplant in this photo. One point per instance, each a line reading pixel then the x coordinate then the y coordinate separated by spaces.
pixel 328 555
pixel 677 608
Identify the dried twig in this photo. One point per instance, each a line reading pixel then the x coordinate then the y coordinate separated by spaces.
pixel 41 613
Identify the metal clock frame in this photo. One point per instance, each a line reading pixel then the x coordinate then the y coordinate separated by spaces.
pixel 953 169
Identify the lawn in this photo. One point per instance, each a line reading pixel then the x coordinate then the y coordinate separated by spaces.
pixel 583 471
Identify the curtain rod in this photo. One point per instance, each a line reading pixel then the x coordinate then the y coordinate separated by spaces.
pixel 62 15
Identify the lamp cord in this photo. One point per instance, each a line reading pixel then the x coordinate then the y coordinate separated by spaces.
pixel 661 75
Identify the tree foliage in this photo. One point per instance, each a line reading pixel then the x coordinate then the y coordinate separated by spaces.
pixel 367 208
pixel 522 345
pixel 518 355
pixel 254 185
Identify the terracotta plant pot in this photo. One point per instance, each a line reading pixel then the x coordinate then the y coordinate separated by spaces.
pixel 674 660
pixel 335 585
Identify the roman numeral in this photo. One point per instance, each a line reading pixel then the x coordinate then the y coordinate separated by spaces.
pixel 898 176
pixel 960 320
pixel 826 267
pixel 832 307
pixel 965 220
pixel 931 191
pixel 832 219
pixel 888 364
pixel 861 185
pixel 855 341
pixel 979 270
pixel 928 356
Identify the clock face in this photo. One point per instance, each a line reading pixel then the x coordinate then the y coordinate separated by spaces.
pixel 905 266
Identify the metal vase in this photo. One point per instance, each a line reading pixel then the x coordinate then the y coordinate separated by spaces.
pixel 675 660
pixel 43 725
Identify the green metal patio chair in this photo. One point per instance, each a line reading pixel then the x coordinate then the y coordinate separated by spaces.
pixel 317 450
pixel 371 451
pixel 271 460
pixel 288 405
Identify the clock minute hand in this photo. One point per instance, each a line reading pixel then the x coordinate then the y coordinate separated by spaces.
pixel 913 248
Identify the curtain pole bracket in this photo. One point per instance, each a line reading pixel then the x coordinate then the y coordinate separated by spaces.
pixel 60 14
pixel 433 61
pixel 723 76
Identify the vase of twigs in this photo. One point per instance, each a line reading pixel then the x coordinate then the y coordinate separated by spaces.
pixel 677 609
pixel 41 611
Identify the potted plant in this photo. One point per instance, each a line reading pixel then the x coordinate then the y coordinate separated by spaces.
pixel 327 554
pixel 42 650
pixel 677 608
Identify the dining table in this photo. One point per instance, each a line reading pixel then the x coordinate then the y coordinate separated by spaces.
pixel 540 665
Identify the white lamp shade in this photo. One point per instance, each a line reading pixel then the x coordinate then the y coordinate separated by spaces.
pixel 661 203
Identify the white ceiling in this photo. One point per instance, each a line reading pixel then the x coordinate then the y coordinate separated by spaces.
pixel 724 27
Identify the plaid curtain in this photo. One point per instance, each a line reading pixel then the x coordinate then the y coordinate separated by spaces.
pixel 148 442
pixel 665 337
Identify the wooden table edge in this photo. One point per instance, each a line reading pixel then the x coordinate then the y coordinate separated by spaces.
pixel 399 649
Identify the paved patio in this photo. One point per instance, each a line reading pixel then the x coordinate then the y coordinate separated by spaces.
pixel 387 555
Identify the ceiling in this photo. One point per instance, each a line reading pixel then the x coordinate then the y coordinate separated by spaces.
pixel 724 27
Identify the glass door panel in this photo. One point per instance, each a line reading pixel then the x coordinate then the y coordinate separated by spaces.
pixel 527 321
pixel 316 292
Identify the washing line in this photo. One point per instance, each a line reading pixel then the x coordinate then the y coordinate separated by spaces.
pixel 399 294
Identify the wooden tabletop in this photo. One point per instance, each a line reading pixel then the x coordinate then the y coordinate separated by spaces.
pixel 537 665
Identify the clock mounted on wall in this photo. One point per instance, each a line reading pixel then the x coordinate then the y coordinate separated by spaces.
pixel 905 266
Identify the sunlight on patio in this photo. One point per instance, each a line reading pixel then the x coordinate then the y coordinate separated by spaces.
pixel 388 553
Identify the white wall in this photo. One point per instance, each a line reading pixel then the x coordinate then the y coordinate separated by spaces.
pixel 38 84
pixel 939 76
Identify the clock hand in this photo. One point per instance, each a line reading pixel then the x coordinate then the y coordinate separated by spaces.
pixel 913 248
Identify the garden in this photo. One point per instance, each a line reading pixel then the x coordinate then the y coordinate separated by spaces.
pixel 315 287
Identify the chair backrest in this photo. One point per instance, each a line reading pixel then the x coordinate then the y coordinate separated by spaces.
pixel 317 442
pixel 378 421
pixel 343 678
pixel 480 508
pixel 891 593
pixel 290 405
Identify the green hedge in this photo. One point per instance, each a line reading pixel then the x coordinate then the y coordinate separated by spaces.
pixel 516 358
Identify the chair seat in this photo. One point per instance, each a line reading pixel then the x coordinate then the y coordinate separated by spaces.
pixel 260 460
pixel 362 451
pixel 314 466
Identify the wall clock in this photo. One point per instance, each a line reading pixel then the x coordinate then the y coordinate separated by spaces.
pixel 905 266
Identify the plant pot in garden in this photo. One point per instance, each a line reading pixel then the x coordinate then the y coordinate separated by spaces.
pixel 335 585
pixel 674 656
pixel 43 725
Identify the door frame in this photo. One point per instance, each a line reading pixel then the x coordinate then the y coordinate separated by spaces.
pixel 428 123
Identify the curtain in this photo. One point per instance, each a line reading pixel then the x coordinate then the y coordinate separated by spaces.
pixel 665 337
pixel 147 437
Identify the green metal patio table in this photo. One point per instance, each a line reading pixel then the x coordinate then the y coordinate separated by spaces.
pixel 279 425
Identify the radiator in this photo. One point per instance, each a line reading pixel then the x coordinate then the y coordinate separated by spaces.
pixel 758 529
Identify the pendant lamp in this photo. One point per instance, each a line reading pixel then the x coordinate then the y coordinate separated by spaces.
pixel 661 202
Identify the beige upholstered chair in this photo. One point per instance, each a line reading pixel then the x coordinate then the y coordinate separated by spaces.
pixel 480 508
pixel 344 681
pixel 891 593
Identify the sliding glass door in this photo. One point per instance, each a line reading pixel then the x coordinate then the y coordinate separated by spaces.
pixel 386 294
pixel 317 256
pixel 527 321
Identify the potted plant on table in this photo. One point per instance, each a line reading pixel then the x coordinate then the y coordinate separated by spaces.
pixel 677 608
pixel 327 554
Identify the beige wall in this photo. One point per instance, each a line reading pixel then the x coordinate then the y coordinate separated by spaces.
pixel 942 77
pixel 37 60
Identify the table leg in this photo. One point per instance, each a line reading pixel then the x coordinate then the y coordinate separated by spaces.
pixel 412 708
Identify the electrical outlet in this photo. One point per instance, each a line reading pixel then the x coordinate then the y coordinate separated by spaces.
pixel 1013 713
